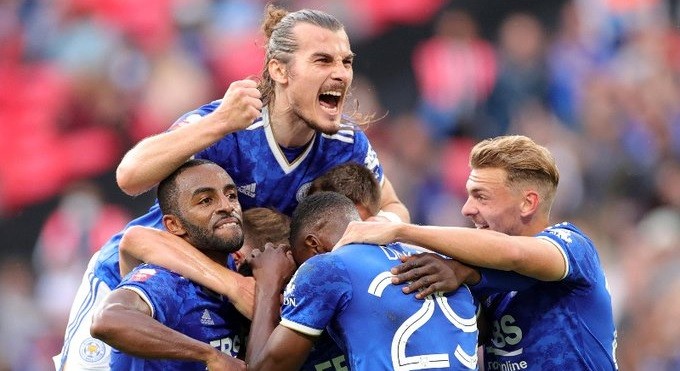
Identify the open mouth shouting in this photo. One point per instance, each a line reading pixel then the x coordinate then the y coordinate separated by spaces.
pixel 330 101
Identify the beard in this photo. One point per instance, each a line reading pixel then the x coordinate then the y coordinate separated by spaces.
pixel 204 238
pixel 327 129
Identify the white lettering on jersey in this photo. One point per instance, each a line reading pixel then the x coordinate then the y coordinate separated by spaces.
pixel 335 364
pixel 228 345
pixel 402 362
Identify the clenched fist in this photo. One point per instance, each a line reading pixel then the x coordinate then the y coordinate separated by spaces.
pixel 240 106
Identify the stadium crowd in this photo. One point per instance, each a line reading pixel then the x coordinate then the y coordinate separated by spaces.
pixel 597 82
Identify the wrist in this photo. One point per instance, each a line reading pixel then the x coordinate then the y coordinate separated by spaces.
pixel 209 354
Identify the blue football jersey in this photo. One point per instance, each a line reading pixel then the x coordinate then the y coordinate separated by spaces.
pixel 261 171
pixel 326 355
pixel 186 307
pixel 562 325
pixel 349 293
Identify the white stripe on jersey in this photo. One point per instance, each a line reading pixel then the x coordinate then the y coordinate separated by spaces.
pixel 341 137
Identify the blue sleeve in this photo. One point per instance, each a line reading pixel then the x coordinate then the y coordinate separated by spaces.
pixel 317 292
pixel 364 154
pixel 583 262
pixel 494 280
pixel 160 288
pixel 195 115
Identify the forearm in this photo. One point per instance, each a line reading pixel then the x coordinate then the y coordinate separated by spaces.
pixel 172 252
pixel 138 334
pixel 482 248
pixel 530 256
pixel 155 157
pixel 265 318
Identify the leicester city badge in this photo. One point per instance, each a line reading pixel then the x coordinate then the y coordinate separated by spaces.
pixel 92 350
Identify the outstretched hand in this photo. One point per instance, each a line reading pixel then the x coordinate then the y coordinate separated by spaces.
pixel 428 273
pixel 376 232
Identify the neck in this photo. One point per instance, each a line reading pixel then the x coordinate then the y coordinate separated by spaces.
pixel 536 226
pixel 219 257
pixel 289 129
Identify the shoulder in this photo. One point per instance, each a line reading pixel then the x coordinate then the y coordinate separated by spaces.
pixel 195 115
pixel 149 274
pixel 565 234
pixel 345 136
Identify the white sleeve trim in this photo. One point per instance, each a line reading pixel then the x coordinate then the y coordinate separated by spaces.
pixel 142 295
pixel 300 328
pixel 562 252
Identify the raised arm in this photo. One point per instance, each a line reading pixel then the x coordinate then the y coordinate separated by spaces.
pixel 155 157
pixel 124 321
pixel 530 256
pixel 389 202
pixel 272 269
pixel 272 347
pixel 167 250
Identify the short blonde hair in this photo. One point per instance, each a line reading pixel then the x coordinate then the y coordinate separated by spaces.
pixel 523 160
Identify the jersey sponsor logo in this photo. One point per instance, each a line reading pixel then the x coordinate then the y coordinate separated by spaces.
pixel 248 189
pixel 143 274
pixel 289 292
pixel 506 366
pixel 302 191
pixel 336 364
pixel 227 345
pixel 92 350
pixel 206 319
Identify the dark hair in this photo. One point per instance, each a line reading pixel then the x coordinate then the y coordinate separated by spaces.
pixel 167 188
pixel 319 209
pixel 262 225
pixel 352 180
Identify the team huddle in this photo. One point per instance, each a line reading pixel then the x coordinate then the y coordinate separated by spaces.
pixel 278 243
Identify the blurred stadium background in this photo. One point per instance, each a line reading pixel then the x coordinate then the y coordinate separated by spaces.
pixel 597 81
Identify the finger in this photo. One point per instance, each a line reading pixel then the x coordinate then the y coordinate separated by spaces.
pixel 420 283
pixel 404 268
pixel 255 78
pixel 245 83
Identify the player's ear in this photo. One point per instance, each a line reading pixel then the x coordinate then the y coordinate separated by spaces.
pixel 530 203
pixel 278 70
pixel 312 244
pixel 174 225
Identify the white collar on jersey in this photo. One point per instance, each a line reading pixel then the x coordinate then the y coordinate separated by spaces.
pixel 276 150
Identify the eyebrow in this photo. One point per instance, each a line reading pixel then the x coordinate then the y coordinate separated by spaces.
pixel 210 189
pixel 329 55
